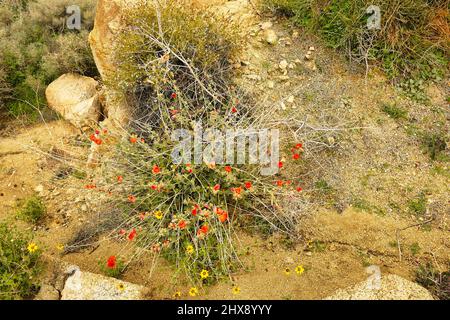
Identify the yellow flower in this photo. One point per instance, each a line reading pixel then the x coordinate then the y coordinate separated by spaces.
pixel 193 291
pixel 32 247
pixel 236 290
pixel 189 249
pixel 204 274
pixel 60 247
pixel 299 270
pixel 121 287
pixel 177 295
pixel 158 215
pixel 287 271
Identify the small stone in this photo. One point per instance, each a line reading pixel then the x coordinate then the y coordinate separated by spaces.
pixel 290 99
pixel 308 56
pixel 84 208
pixel 283 64
pixel 295 35
pixel 270 37
pixel 266 25
pixel 311 49
pixel 39 188
pixel 283 106
pixel 270 84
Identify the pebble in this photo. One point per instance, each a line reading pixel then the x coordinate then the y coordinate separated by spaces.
pixel 270 37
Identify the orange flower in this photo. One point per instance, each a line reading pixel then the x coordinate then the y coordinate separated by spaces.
pixel 131 198
pixel 216 188
pixel 280 183
pixel 248 185
pixel 237 192
pixel 182 224
pixel 296 156
pixel 90 186
pixel 234 110
pixel 280 164
pixel 173 96
pixel 223 216
pixel 112 262
pixel 133 139
pixel 228 169
pixel 156 169
pixel 298 146
pixel 299 189
pixel 119 179
pixel 132 235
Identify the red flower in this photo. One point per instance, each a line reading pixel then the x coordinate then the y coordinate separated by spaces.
pixel 202 231
pixel 105 131
pixel 173 96
pixel 132 235
pixel 90 186
pixel 131 198
pixel 112 262
pixel 122 232
pixel 298 146
pixel 142 216
pixel 156 169
pixel 248 185
pixel 182 224
pixel 133 139
pixel 119 179
pixel 296 156
pixel 142 140
pixel 280 164
pixel 195 210
pixel 223 215
pixel 234 110
pixel 92 137
pixel 216 187
pixel 299 189
pixel 154 187
pixel 228 169
pixel 237 192
pixel 280 183
pixel 97 132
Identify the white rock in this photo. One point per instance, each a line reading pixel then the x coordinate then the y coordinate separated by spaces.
pixel 88 286
pixel 290 99
pixel 271 84
pixel 390 287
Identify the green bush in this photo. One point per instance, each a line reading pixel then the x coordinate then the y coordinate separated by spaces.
pixel 32 210
pixel 19 264
pixel 36 48
pixel 412 42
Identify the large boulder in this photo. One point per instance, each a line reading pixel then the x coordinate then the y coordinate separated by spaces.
pixel 391 287
pixel 75 98
pixel 89 286
pixel 108 22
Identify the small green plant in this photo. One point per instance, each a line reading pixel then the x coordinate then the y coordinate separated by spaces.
pixel 418 205
pixel 415 249
pixel 323 187
pixel 393 111
pixel 435 144
pixel 19 264
pixel 32 209
pixel 437 282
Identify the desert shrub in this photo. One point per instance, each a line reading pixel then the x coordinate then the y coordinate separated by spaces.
pixel 178 74
pixel 36 47
pixel 19 264
pixel 31 209
pixel 412 42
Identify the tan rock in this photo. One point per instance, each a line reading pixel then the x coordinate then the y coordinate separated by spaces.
pixel 391 287
pixel 75 98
